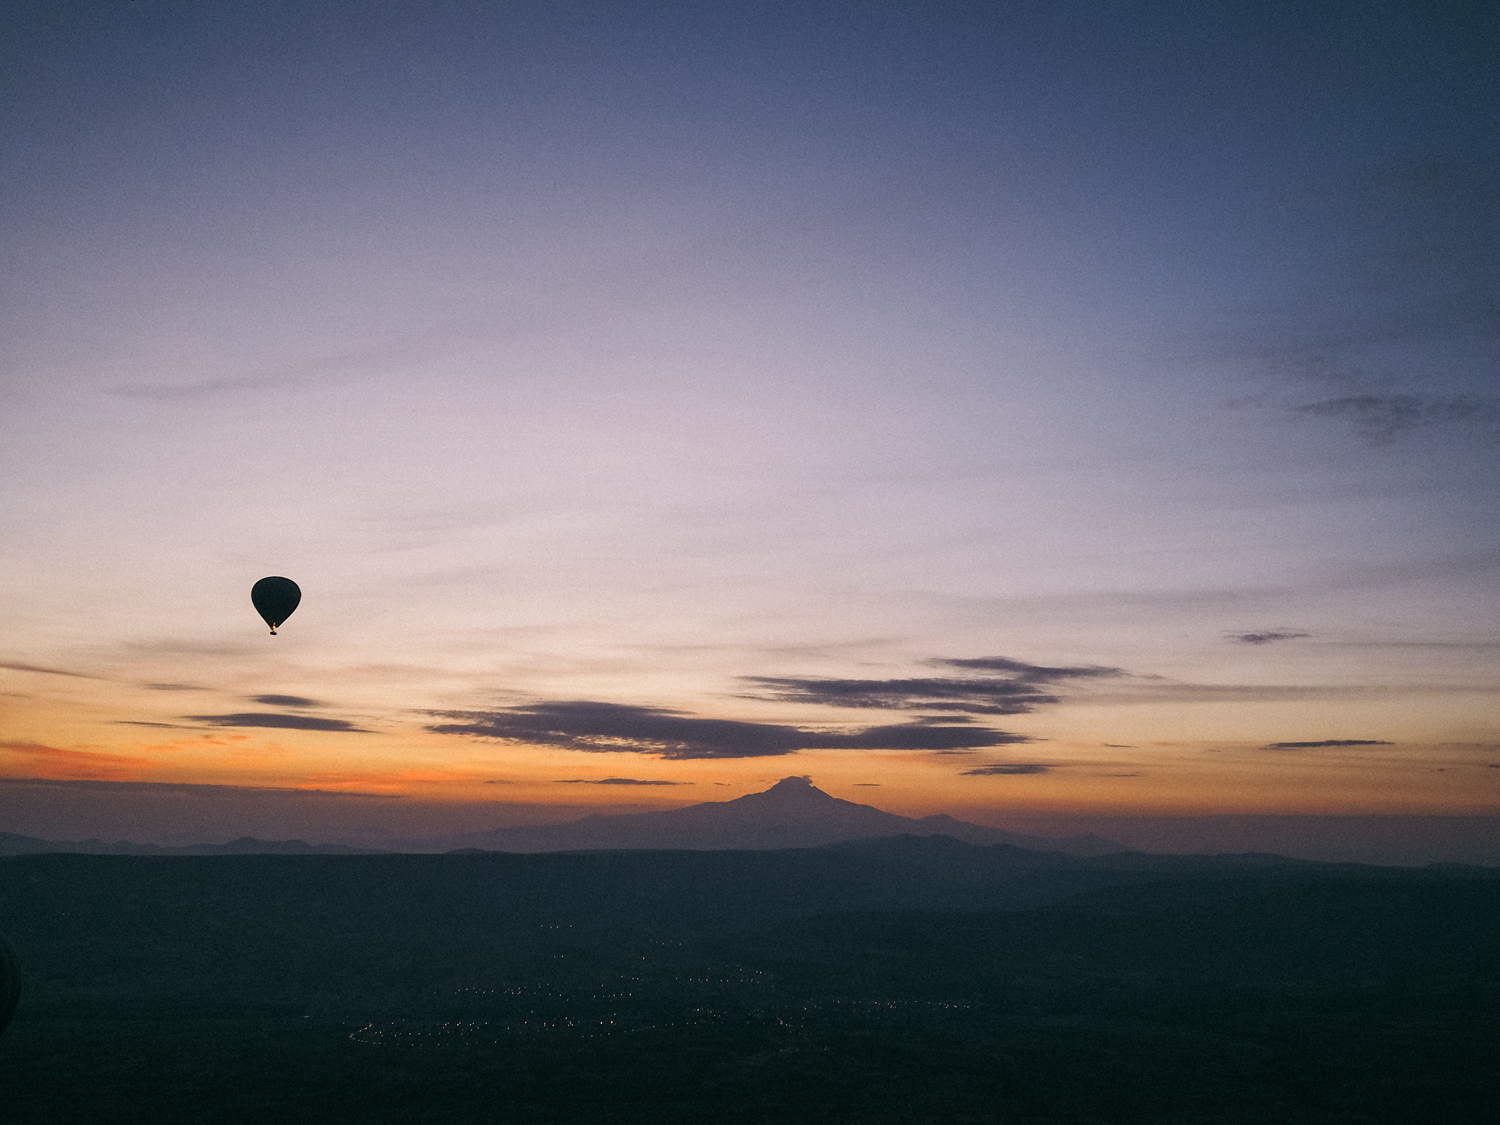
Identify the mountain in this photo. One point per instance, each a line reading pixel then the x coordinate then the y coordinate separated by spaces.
pixel 12 844
pixel 793 813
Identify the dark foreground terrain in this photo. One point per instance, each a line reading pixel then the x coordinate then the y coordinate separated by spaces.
pixel 902 980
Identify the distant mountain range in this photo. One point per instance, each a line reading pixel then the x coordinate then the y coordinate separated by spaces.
pixel 12 844
pixel 793 813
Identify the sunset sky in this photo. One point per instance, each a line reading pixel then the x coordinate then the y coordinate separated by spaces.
pixel 984 408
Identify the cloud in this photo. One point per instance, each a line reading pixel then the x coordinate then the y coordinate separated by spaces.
pixel 1327 742
pixel 285 701
pixel 1265 638
pixel 1006 769
pixel 78 764
pixel 1393 329
pixel 173 687
pixel 314 372
pixel 1162 690
pixel 46 671
pixel 288 722
pixel 1384 417
pixel 1022 689
pixel 616 781
pixel 1031 673
pixel 614 727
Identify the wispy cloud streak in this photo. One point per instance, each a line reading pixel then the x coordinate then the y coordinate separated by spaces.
pixel 1383 418
pixel 39 669
pixel 1020 689
pixel 92 765
pixel 1328 742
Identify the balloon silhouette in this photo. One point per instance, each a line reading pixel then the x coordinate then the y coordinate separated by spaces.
pixel 10 981
pixel 275 599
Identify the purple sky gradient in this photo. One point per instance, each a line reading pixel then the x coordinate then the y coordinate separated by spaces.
pixel 619 352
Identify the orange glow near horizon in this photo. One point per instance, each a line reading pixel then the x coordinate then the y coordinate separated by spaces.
pixel 1148 758
pixel 1181 779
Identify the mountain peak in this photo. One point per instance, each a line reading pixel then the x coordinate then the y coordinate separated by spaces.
pixel 798 784
pixel 798 792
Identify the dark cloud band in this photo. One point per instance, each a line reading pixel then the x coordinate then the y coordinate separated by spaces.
pixel 1030 673
pixel 1327 742
pixel 286 722
pixel 1021 688
pixel 286 701
pixel 615 727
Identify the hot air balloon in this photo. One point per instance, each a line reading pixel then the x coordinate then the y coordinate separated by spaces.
pixel 10 981
pixel 275 598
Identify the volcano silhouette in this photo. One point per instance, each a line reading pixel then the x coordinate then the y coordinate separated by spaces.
pixel 793 813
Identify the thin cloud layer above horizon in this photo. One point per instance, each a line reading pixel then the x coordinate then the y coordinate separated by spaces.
pixel 893 386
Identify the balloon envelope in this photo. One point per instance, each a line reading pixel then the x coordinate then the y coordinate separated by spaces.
pixel 275 598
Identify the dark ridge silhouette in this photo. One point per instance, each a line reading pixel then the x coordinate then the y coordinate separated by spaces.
pixel 12 844
pixel 870 982
pixel 793 813
pixel 10 982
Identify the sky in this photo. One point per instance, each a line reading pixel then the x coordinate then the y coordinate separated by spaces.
pixel 1000 409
